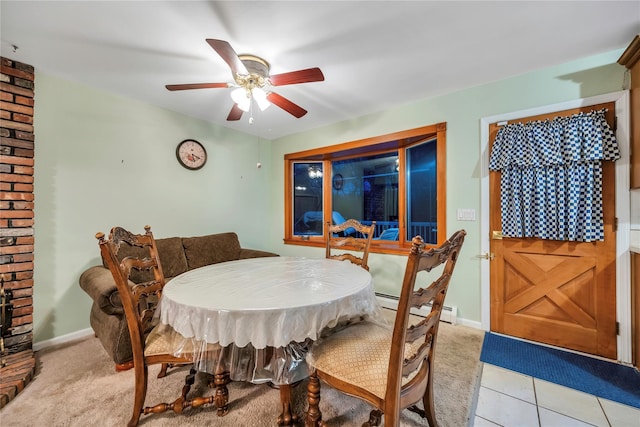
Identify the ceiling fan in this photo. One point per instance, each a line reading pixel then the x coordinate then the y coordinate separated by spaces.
pixel 253 82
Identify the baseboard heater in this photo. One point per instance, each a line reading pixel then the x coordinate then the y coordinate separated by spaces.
pixel 449 314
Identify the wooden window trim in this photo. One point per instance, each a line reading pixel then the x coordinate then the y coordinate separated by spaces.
pixel 368 146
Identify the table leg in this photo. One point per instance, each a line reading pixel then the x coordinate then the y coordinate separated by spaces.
pixel 220 381
pixel 287 417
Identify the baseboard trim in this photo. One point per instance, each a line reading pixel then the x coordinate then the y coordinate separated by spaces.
pixel 391 302
pixel 63 339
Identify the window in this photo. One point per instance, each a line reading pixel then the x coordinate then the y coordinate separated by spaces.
pixel 307 196
pixel 396 180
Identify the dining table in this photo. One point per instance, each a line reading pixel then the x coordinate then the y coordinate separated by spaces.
pixel 265 313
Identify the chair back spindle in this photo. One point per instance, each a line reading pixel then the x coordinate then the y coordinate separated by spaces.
pixel 339 238
pixel 354 359
pixel 139 300
pixel 413 346
pixel 127 255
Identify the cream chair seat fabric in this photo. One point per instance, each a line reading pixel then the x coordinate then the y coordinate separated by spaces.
pixel 163 339
pixel 359 355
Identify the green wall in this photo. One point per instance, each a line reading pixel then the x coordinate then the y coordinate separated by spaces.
pixel 462 111
pixel 103 160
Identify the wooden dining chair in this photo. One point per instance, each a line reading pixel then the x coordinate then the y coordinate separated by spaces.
pixel 127 254
pixel 390 369
pixel 339 237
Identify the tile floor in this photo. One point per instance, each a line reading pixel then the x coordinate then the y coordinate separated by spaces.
pixel 510 399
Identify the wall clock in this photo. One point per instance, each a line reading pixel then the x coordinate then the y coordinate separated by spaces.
pixel 191 154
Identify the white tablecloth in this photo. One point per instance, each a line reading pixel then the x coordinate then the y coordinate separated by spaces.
pixel 266 302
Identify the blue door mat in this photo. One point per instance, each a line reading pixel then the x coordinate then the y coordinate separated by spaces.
pixel 604 379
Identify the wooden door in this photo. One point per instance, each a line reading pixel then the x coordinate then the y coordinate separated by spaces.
pixel 556 292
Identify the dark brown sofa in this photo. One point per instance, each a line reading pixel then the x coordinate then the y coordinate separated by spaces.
pixel 177 255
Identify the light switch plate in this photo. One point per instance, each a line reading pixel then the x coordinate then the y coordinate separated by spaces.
pixel 466 214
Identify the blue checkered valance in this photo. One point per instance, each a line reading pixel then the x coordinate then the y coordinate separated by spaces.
pixel 551 176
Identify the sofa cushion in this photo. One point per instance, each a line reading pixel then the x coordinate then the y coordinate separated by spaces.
pixel 211 249
pixel 171 255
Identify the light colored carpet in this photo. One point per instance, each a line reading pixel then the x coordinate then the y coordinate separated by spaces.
pixel 76 385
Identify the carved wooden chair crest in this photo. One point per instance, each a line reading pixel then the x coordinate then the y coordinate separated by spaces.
pixel 339 238
pixel 391 370
pixel 150 343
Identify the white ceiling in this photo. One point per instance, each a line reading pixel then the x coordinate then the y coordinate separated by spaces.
pixel 375 55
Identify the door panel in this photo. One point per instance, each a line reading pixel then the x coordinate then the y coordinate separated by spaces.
pixel 555 292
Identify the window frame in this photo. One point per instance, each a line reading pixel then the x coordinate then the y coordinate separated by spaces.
pixel 398 142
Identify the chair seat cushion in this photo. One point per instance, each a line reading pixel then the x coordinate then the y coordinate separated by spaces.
pixel 358 355
pixel 163 339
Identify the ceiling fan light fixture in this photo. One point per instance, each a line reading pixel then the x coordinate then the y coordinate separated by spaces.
pixel 261 98
pixel 242 97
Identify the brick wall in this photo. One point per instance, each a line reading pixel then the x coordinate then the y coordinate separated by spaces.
pixel 16 223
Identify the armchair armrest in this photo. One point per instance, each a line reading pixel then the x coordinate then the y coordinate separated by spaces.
pixel 98 282
pixel 254 253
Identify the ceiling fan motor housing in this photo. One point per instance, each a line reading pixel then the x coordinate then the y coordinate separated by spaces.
pixel 258 70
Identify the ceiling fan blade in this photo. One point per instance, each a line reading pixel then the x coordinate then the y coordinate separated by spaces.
pixel 229 55
pixel 235 113
pixel 300 76
pixel 286 105
pixel 197 86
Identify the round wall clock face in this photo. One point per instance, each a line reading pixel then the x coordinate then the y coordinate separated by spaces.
pixel 191 154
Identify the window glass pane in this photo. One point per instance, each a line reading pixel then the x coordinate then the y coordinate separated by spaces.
pixel 422 186
pixel 307 199
pixel 366 189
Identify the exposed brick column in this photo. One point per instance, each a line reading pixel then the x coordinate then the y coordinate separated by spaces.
pixel 16 224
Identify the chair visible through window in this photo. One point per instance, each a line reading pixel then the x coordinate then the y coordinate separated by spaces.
pixel 389 234
pixel 151 344
pixel 390 369
pixel 336 240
